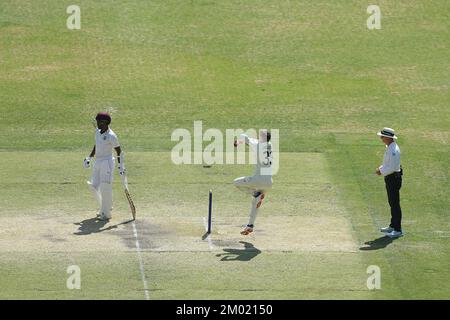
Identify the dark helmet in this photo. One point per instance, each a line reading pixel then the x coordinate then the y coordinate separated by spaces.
pixel 103 116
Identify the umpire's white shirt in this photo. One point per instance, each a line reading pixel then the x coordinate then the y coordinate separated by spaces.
pixel 391 161
pixel 104 144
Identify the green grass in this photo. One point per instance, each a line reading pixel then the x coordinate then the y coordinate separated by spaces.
pixel 310 69
pixel 37 276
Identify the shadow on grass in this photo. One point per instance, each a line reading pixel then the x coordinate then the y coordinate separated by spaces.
pixel 93 225
pixel 246 254
pixel 379 243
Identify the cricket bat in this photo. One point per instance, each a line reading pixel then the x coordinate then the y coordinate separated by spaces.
pixel 127 194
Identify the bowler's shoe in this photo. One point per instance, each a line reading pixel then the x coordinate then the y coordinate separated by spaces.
pixel 247 230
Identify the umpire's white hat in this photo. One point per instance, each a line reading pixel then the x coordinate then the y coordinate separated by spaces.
pixel 387 132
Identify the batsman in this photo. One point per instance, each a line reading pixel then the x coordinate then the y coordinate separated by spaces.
pixel 103 169
pixel 261 182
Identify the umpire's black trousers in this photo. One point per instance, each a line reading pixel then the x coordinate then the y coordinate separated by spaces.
pixel 393 186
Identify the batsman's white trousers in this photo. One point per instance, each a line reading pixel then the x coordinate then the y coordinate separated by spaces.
pixel 101 184
pixel 258 186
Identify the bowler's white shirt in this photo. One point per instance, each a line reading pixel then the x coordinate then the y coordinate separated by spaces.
pixel 105 143
pixel 391 161
pixel 263 150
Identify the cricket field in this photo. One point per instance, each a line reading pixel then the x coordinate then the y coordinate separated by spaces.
pixel 311 69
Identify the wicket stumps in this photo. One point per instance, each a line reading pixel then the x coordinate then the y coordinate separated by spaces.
pixel 209 212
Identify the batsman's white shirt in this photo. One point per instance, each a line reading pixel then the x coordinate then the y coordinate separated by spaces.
pixel 105 143
pixel 391 160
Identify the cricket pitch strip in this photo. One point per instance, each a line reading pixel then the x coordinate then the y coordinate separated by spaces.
pixel 177 234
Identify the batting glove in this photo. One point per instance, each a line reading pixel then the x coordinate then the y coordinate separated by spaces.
pixel 87 162
pixel 121 166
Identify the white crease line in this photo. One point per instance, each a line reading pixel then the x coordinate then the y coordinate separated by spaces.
pixel 141 264
pixel 208 236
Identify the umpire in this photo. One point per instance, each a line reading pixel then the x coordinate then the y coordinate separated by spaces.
pixel 392 172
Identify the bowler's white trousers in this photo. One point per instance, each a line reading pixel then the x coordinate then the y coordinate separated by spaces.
pixel 258 186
